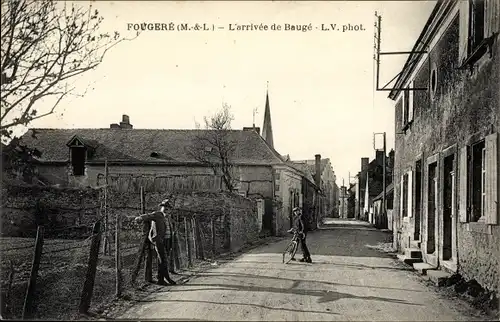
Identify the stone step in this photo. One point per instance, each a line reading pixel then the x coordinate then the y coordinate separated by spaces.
pixel 413 252
pixel 408 260
pixel 438 277
pixel 422 268
pixel 415 244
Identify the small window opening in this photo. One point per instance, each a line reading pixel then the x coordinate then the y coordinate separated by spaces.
pixel 477 183
pixel 78 161
pixel 154 155
pixel 433 81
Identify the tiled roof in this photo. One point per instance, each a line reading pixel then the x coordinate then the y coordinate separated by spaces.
pixel 137 145
pixel 304 168
pixel 388 190
pixel 312 163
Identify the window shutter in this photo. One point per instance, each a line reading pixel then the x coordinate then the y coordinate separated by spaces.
pixel 402 109
pixel 463 185
pixel 491 144
pixel 464 30
pixel 401 189
pixel 410 193
pixel 492 17
pixel 410 101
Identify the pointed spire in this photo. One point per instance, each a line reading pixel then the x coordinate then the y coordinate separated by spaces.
pixel 267 128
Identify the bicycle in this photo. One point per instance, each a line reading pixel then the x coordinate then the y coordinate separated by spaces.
pixel 292 247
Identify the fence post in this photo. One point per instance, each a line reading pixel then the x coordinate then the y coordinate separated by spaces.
pixel 28 309
pixel 88 286
pixel 193 237
pixel 118 256
pixel 176 247
pixel 188 248
pixel 198 238
pixel 143 247
pixel 7 304
pixel 212 228
pixel 148 274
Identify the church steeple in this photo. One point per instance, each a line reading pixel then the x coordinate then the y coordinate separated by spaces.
pixel 267 128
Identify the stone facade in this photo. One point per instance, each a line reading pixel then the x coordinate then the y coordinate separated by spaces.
pixel 288 193
pixel 25 206
pixel 435 133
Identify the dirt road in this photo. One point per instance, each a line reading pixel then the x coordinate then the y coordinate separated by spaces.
pixel 348 280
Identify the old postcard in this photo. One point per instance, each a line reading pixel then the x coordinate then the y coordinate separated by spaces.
pixel 250 160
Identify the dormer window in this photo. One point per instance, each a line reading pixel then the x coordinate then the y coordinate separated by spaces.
pixel 78 155
pixel 78 160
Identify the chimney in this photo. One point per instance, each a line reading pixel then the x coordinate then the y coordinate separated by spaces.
pixel 379 156
pixel 256 129
pixel 317 177
pixel 364 163
pixel 125 123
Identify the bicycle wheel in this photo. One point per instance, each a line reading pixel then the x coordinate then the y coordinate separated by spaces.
pixel 289 252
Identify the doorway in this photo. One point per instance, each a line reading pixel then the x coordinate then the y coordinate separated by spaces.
pixel 432 207
pixel 448 206
pixel 418 199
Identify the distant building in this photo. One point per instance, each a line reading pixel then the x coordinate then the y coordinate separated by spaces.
pixel 343 202
pixel 328 184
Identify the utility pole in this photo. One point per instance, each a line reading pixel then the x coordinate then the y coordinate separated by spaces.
pixel 384 204
pixel 343 197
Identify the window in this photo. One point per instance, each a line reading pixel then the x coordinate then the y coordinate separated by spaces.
pixel 78 160
pixel 404 201
pixel 479 181
pixel 407 106
pixel 407 194
pixel 476 26
pixel 433 81
pixel 477 184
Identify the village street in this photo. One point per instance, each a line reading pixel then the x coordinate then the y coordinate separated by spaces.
pixel 348 280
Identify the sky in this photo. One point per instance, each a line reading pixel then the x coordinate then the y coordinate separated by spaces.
pixel 320 83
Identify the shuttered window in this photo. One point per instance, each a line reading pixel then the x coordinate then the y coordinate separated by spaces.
pixel 491 179
pixel 479 19
pixel 478 199
pixel 410 193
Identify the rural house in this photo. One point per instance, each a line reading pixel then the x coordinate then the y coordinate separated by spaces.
pixel 447 155
pixel 369 183
pixel 328 184
pixel 161 160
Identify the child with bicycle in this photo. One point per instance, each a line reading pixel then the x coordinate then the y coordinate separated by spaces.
pixel 300 227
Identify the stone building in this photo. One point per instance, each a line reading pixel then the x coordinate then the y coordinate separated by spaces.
pixel 327 182
pixel 160 160
pixel 343 202
pixel 371 177
pixel 446 164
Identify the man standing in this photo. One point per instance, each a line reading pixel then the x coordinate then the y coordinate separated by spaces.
pixel 160 235
pixel 301 228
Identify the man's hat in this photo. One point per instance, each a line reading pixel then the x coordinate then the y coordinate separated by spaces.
pixel 165 202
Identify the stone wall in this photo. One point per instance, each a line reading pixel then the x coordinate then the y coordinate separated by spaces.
pixel 464 105
pixel 79 209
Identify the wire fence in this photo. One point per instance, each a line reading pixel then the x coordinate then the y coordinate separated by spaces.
pixel 58 271
pixel 61 270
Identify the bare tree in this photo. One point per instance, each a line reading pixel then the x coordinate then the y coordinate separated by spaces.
pixel 215 147
pixel 44 45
